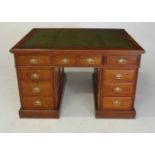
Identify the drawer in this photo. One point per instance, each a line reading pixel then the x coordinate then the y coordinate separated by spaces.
pixel 36 89
pixel 38 103
pixel 64 60
pixel 122 60
pixel 35 74
pixel 116 103
pixel 33 60
pixel 89 60
pixel 119 75
pixel 118 89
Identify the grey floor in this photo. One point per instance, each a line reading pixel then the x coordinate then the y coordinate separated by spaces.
pixel 77 110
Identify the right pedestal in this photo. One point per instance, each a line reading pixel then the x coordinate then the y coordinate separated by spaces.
pixel 114 91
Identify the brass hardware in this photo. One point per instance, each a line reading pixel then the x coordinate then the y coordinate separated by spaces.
pixel 119 76
pixel 35 76
pixel 36 90
pixel 90 60
pixel 65 61
pixel 117 90
pixel 33 61
pixel 121 61
pixel 38 103
pixel 116 103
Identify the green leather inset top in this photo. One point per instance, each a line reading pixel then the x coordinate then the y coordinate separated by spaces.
pixel 78 39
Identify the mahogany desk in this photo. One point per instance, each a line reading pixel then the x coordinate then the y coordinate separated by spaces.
pixel 41 56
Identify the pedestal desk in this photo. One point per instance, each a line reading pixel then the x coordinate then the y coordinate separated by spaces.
pixel 40 58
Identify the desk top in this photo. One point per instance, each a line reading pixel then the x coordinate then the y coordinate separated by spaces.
pixel 78 39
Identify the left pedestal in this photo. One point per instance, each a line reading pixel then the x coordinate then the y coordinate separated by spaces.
pixel 40 86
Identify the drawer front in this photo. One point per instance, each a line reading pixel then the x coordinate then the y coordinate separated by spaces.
pixel 118 89
pixel 36 89
pixel 36 74
pixel 122 60
pixel 64 60
pixel 38 103
pixel 89 60
pixel 119 75
pixel 116 103
pixel 33 60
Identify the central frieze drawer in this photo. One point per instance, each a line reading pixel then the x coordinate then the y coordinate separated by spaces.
pixel 89 60
pixel 64 60
pixel 77 60
pixel 37 89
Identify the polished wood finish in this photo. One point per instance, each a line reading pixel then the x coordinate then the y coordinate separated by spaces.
pixel 45 113
pixel 122 60
pixel 34 74
pixel 33 60
pixel 116 113
pixel 64 60
pixel 107 113
pixel 41 56
pixel 116 103
pixel 38 103
pixel 89 60
pixel 37 89
pixel 115 75
pixel 117 89
pixel 38 113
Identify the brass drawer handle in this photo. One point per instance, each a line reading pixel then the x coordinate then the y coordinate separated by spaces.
pixel 116 103
pixel 36 90
pixel 37 103
pixel 117 90
pixel 33 61
pixel 118 76
pixel 90 60
pixel 65 61
pixel 121 61
pixel 35 76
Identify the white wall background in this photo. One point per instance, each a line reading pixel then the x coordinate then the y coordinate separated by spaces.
pixel 143 33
